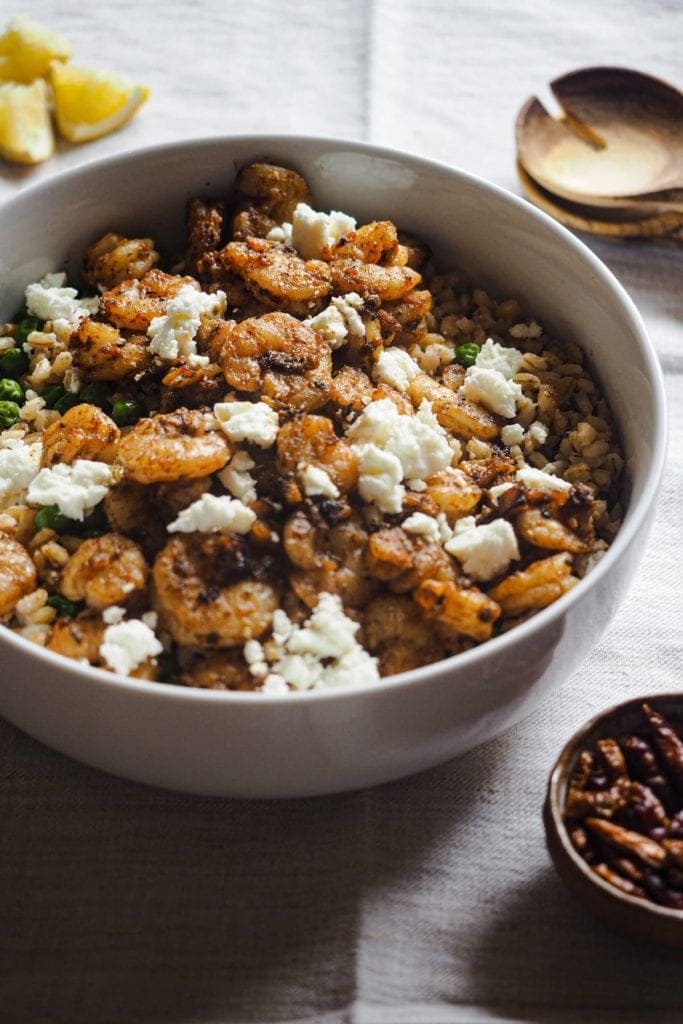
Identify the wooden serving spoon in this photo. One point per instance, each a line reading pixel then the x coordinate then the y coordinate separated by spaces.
pixel 619 143
pixel 614 224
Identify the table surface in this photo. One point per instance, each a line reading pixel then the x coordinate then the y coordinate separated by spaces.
pixel 430 900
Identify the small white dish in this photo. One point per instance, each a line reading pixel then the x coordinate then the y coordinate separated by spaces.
pixel 251 745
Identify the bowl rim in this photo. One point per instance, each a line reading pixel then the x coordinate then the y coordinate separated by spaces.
pixel 557 780
pixel 635 514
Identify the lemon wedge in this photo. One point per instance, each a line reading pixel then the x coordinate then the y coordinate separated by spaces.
pixel 89 103
pixel 26 135
pixel 27 50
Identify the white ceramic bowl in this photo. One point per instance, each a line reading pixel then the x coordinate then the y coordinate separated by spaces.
pixel 243 744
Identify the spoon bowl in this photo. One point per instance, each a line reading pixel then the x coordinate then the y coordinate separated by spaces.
pixel 618 143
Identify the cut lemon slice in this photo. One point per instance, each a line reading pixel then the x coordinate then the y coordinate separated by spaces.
pixel 89 104
pixel 27 50
pixel 26 135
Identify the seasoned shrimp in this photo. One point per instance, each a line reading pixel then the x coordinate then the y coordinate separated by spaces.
pixel 533 588
pixel 543 531
pixel 84 432
pixel 113 259
pixel 104 570
pixel 399 636
pixel 278 355
pixel 173 446
pixel 132 305
pixel 266 196
pixel 457 414
pixel 203 226
pixel 454 492
pixel 17 574
pixel 278 277
pixel 402 560
pixel 127 508
pixel 466 611
pixel 199 604
pixel 351 388
pixel 311 441
pixel 104 353
pixel 192 386
pixel 81 638
pixel 330 559
pixel 387 283
pixel 219 670
pixel 372 243
pixel 405 321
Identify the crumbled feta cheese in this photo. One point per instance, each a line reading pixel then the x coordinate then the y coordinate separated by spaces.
pixel 281 233
pixel 340 320
pixel 538 432
pixel 173 334
pixel 314 232
pixel 74 489
pixel 212 513
pixel 317 481
pixel 512 433
pixel 19 465
pixel 495 492
pixel 150 619
pixel 113 614
pixel 379 477
pixel 493 356
pixel 254 422
pixel 237 479
pixel 125 645
pixel 253 652
pixel 484 551
pixel 537 479
pixel 323 652
pixel 50 299
pixel 492 389
pixel 274 685
pixel 422 526
pixel 395 368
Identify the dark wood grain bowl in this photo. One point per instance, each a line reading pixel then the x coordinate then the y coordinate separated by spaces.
pixel 636 917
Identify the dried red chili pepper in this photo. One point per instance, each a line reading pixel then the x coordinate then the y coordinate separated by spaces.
pixel 668 743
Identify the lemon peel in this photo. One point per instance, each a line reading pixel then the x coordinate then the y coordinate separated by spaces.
pixel 90 103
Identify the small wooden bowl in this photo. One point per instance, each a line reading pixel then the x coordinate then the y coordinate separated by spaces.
pixel 637 917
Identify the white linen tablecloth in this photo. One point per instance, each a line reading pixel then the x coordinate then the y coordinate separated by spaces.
pixel 427 901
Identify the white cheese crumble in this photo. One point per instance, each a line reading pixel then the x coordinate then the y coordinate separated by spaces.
pixel 125 645
pixel 395 368
pixel 379 477
pixel 493 356
pixel 422 526
pixel 340 320
pixel 495 492
pixel 512 433
pixel 113 614
pixel 254 422
pixel 313 232
pixel 537 479
pixel 323 652
pixel 173 334
pixel 538 432
pixel 484 551
pixel 214 513
pixel 491 389
pixel 237 479
pixel 281 233
pixel 19 465
pixel 316 481
pixel 50 299
pixel 74 489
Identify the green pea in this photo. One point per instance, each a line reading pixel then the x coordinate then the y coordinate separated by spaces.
pixel 126 412
pixel 95 524
pixel 98 393
pixel 65 607
pixel 9 414
pixel 11 391
pixel 67 401
pixel 49 517
pixel 13 363
pixel 467 354
pixel 27 326
pixel 52 395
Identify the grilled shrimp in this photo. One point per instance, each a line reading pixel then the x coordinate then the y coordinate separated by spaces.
pixel 388 283
pixel 203 226
pixel 84 432
pixel 399 636
pixel 81 638
pixel 351 388
pixel 199 604
pixel 133 304
pixel 266 196
pixel 173 446
pixel 104 353
pixel 465 611
pixel 545 532
pixel 456 414
pixel 104 570
pixel 405 321
pixel 113 259
pixel 533 588
pixel 278 277
pixel 403 561
pixel 372 243
pixel 127 508
pixel 17 574
pixel 328 559
pixel 219 670
pixel 311 441
pixel 454 492
pixel 278 355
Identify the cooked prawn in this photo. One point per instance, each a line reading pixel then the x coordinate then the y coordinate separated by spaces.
pixel 402 560
pixel 219 670
pixel 173 446
pixel 83 432
pixel 133 304
pixel 113 259
pixel 543 531
pixel 328 558
pixel 397 633
pixel 278 277
pixel 461 417
pixel 104 570
pixel 203 226
pixel 311 441
pixel 266 196
pixel 466 611
pixel 17 574
pixel 371 243
pixel 81 639
pixel 104 353
pixel 387 283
